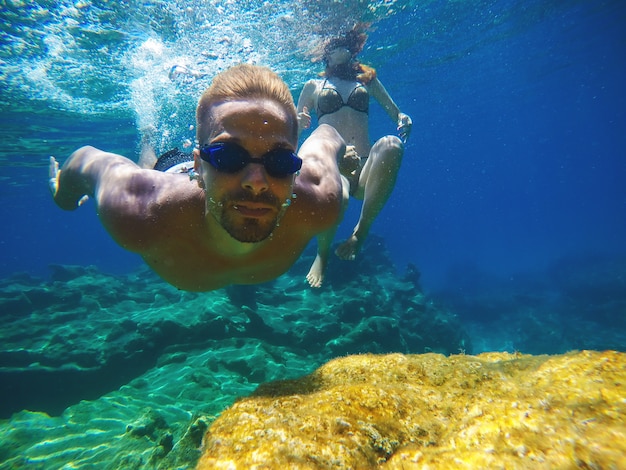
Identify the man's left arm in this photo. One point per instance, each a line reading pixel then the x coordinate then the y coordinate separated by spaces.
pixel 319 187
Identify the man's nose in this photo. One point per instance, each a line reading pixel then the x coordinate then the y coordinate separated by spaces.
pixel 255 178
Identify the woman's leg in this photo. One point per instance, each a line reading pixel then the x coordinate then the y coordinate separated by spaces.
pixel 147 157
pixel 315 277
pixel 376 183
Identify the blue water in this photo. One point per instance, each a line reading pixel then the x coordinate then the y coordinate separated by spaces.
pixel 517 157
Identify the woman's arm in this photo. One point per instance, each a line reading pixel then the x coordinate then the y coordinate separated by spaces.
pixel 306 104
pixel 380 94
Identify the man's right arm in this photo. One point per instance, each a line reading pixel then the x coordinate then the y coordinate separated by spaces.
pixel 87 172
pixel 126 196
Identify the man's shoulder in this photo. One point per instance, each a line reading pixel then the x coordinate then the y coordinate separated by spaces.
pixel 174 194
pixel 152 204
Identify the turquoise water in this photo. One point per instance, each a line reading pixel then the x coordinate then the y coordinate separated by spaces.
pixel 515 159
pixel 515 165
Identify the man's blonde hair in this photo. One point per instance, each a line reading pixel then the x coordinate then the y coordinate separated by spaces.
pixel 241 82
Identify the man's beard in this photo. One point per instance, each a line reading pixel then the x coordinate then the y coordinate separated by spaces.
pixel 249 230
pixel 246 229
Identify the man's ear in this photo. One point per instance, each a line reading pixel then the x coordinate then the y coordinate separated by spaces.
pixel 197 169
pixel 197 161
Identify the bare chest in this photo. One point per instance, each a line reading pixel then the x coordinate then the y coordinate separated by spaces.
pixel 196 268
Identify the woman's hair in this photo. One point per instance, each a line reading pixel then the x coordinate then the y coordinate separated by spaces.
pixel 242 82
pixel 353 40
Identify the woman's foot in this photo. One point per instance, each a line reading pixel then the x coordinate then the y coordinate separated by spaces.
pixel 348 249
pixel 316 273
pixel 147 157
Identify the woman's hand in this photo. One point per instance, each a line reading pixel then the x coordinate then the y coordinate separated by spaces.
pixel 404 126
pixel 304 119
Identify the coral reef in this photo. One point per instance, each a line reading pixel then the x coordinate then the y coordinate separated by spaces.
pixel 85 333
pixel 577 302
pixel 126 372
pixel 493 410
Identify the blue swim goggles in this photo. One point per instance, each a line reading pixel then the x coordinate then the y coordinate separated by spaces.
pixel 230 157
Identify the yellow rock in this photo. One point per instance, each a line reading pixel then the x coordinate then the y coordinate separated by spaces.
pixel 494 410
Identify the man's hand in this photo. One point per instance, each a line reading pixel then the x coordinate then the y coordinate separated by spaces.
pixel 404 126
pixel 350 162
pixel 54 175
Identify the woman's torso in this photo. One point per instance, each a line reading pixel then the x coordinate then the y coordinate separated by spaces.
pixel 344 105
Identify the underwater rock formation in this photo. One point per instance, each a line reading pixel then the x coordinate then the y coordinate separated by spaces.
pixel 577 302
pixel 126 372
pixel 494 410
pixel 84 333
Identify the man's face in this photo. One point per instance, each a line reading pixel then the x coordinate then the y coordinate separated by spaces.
pixel 248 204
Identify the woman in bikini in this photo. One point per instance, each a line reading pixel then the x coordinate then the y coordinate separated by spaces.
pixel 341 99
